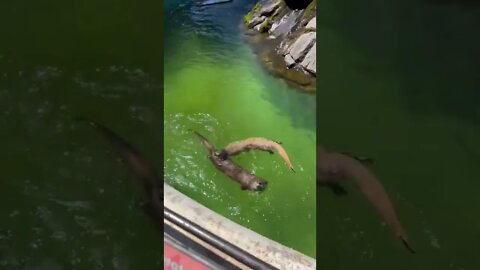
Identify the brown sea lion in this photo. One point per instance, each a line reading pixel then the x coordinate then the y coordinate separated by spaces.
pixel 333 168
pixel 232 170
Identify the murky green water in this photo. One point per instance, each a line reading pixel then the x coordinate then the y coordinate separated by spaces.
pixel 213 84
pixel 399 82
pixel 65 202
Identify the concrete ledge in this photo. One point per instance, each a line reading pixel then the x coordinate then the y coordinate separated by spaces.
pixel 263 248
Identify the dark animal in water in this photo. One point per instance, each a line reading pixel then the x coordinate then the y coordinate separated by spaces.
pixel 232 170
pixel 332 168
pixel 255 143
pixel 365 160
pixel 151 182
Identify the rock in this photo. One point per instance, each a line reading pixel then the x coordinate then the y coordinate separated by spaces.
pixel 288 41
pixel 256 21
pixel 274 26
pixel 312 24
pixel 266 25
pixel 269 8
pixel 301 46
pixel 284 47
pixel 286 24
pixel 289 61
pixel 297 78
pixel 309 63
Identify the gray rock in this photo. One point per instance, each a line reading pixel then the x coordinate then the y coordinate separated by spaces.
pixel 309 63
pixel 285 25
pixel 269 8
pixel 275 25
pixel 256 20
pixel 301 46
pixel 289 61
pixel 284 47
pixel 312 24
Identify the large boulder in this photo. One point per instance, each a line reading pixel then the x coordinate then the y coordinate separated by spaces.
pixel 309 63
pixel 311 25
pixel 300 47
pixel 268 8
pixel 256 20
pixel 289 61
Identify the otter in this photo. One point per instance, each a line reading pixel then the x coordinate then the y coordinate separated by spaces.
pixel 255 143
pixel 152 204
pixel 333 168
pixel 232 170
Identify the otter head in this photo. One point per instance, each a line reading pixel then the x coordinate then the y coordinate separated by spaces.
pixel 223 155
pixel 260 185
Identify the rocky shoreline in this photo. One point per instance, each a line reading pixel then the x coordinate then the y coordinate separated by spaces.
pixel 283 34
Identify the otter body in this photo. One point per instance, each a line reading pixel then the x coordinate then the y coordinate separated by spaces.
pixel 152 183
pixel 255 143
pixel 232 170
pixel 334 168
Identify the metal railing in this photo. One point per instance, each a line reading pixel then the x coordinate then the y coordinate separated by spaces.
pixel 242 244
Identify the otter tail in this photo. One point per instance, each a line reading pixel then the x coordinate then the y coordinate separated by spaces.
pixel 407 244
pixel 284 155
pixel 205 142
pixel 374 192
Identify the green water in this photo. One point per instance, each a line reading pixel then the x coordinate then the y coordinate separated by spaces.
pixel 66 203
pixel 214 84
pixel 399 82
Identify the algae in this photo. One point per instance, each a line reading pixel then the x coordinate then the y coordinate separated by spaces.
pixel 249 15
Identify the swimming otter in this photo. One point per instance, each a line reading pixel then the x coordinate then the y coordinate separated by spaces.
pixel 152 183
pixel 333 168
pixel 255 143
pixel 232 170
